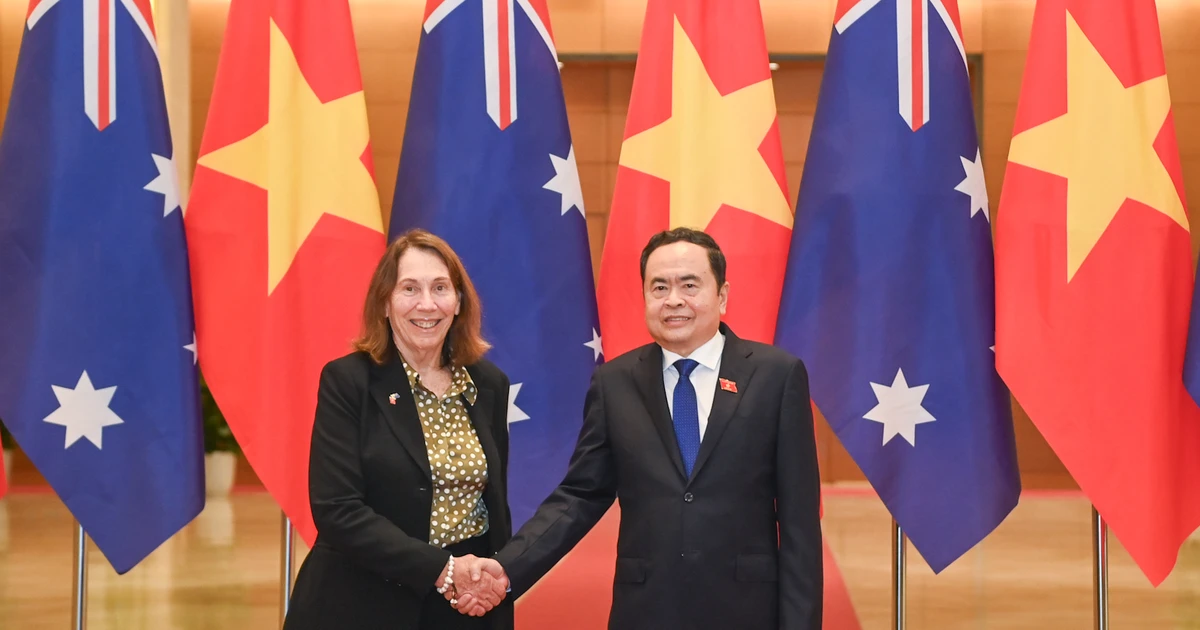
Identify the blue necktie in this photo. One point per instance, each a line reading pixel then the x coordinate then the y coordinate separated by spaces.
pixel 686 415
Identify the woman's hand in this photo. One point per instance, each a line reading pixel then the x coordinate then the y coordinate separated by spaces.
pixel 479 585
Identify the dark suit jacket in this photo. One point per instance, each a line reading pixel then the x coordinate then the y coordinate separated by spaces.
pixel 370 488
pixel 736 546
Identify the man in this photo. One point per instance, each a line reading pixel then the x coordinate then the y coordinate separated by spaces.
pixel 707 439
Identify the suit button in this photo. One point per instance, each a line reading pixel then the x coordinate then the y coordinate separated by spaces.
pixel 687 497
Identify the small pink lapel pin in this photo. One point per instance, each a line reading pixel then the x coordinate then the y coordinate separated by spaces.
pixel 392 398
pixel 728 385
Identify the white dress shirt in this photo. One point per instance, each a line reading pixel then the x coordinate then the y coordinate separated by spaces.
pixel 703 377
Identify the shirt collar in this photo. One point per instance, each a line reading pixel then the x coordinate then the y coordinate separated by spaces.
pixel 707 355
pixel 460 382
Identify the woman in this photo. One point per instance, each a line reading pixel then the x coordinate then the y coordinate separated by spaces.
pixel 409 458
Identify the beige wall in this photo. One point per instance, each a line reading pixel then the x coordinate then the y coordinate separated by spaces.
pixel 598 92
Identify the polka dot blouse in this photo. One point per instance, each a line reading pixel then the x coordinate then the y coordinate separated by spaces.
pixel 455 458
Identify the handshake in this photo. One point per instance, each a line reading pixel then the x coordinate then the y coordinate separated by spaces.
pixel 473 585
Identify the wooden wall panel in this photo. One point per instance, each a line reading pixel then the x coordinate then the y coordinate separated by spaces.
pixel 12 25
pixel 793 27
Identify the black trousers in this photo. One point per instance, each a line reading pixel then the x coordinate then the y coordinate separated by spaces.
pixel 437 613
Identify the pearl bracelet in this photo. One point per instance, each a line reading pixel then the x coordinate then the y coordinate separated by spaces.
pixel 449 577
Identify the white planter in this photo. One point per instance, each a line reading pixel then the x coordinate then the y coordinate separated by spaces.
pixel 219 468
pixel 8 461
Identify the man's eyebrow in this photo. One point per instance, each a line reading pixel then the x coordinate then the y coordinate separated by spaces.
pixel 684 278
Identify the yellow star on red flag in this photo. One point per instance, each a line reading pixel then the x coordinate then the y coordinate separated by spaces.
pixel 307 157
pixel 1103 145
pixel 709 148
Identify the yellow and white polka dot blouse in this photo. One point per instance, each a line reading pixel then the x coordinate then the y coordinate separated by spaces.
pixel 456 459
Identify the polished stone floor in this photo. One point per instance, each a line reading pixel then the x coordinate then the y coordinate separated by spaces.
pixel 222 572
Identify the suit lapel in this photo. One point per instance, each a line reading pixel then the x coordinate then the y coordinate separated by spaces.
pixel 649 379
pixel 402 419
pixel 481 419
pixel 737 368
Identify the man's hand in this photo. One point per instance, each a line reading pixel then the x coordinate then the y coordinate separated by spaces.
pixel 479 585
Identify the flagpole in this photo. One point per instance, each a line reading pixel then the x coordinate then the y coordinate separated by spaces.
pixel 1100 569
pixel 898 574
pixel 79 601
pixel 288 555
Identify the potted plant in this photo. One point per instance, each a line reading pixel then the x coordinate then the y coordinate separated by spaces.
pixel 220 447
pixel 6 439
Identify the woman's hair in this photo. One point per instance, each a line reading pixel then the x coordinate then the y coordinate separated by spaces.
pixel 464 344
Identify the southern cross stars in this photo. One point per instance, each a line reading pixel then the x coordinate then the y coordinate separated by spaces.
pixel 566 182
pixel 165 183
pixel 515 414
pixel 973 185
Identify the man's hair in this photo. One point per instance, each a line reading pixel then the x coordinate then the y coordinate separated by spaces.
pixel 716 259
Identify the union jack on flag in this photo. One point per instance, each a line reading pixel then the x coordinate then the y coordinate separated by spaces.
pixel 912 46
pixel 499 45
pixel 100 49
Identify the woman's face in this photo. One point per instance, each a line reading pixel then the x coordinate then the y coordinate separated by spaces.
pixel 423 303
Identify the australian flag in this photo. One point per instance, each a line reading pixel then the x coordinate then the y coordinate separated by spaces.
pixel 888 296
pixel 98 378
pixel 488 165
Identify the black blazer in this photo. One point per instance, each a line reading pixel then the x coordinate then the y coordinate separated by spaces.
pixel 738 545
pixel 370 489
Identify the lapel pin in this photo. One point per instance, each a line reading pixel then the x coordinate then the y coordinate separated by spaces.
pixel 392 398
pixel 728 385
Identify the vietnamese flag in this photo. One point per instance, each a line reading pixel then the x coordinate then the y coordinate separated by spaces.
pixel 1094 271
pixel 284 228
pixel 701 150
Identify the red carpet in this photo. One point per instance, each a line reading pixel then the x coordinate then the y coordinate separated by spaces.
pixel 577 593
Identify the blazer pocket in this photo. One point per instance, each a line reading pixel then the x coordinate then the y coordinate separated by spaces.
pixel 630 571
pixel 756 567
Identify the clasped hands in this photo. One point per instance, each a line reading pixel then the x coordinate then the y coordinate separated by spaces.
pixel 476 586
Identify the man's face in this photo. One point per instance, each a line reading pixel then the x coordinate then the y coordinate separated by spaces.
pixel 684 305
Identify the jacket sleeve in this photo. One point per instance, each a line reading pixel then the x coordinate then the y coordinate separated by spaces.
pixel 570 512
pixel 500 428
pixel 801 577
pixel 337 491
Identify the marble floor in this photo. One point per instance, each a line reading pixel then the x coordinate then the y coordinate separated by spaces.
pixel 222 571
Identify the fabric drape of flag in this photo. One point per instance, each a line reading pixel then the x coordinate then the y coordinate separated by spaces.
pixel 284 228
pixel 889 287
pixel 1094 271
pixel 98 379
pixel 488 164
pixel 701 149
